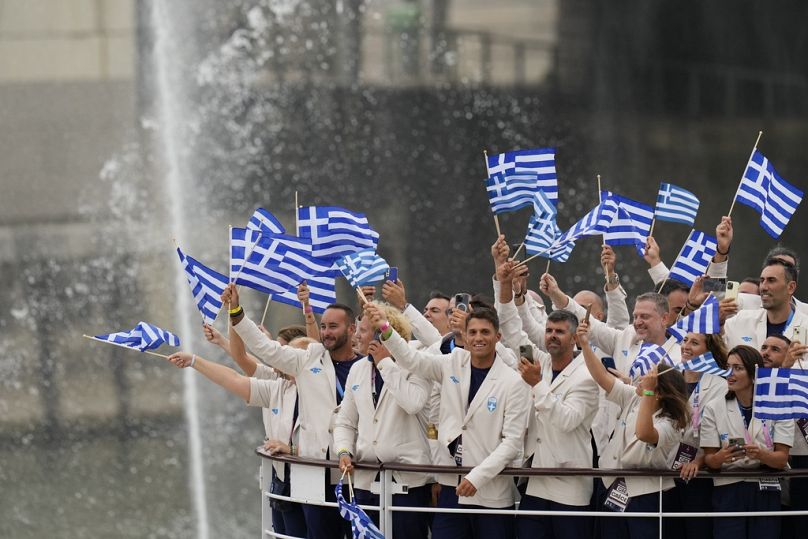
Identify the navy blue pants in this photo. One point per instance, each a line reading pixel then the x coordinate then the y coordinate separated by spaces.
pixel 795 527
pixel 633 528
pixel 456 526
pixel 746 496
pixel 695 496
pixel 326 522
pixel 547 527
pixel 405 525
pixel 290 521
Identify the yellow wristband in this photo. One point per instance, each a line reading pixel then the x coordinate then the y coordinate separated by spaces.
pixel 235 311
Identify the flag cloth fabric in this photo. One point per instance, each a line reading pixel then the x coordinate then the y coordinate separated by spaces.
pixel 650 355
pixel 510 193
pixel 631 224
pixel 694 259
pixel 595 222
pixel 206 285
pixel 703 320
pixel 362 268
pixel 543 231
pixel 335 232
pixel 277 264
pixel 362 527
pixel 704 363
pixel 781 394
pixel 263 221
pixel 676 205
pixel 143 336
pixel 538 164
pixel 763 189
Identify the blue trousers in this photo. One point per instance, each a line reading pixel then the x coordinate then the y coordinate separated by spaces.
pixel 541 527
pixel 695 496
pixel 325 522
pixel 291 521
pixel 633 528
pixel 456 526
pixel 795 527
pixel 405 525
pixel 746 496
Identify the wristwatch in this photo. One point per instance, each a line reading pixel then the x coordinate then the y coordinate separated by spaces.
pixel 613 279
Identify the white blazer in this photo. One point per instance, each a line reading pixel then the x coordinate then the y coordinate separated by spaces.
pixel 710 388
pixel 493 424
pixel 394 431
pixel 749 327
pixel 423 332
pixel 558 432
pixel 314 373
pixel 277 398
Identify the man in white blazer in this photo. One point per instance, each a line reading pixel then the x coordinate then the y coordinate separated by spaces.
pixel 321 372
pixel 483 411
pixel 427 328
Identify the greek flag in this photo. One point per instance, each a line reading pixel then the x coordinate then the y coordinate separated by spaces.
pixel 703 320
pixel 704 363
pixel 781 394
pixel 362 527
pixel 206 285
pixel 650 355
pixel 596 221
pixel 510 193
pixel 364 267
pixel 542 231
pixel 631 224
pixel 335 232
pixel 277 263
pixel 676 205
pixel 763 189
pixel 143 336
pixel 694 258
pixel 265 222
pixel 536 165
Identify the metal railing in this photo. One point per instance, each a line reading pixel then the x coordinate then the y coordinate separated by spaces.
pixel 386 508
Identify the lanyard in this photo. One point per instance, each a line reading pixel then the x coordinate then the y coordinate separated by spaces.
pixel 451 344
pixel 340 390
pixel 790 319
pixel 696 418
pixel 767 437
pixel 373 385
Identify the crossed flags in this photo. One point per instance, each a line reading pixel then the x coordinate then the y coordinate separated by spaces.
pixel 703 320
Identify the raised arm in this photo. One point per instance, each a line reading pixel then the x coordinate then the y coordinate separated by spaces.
pixel 396 295
pixel 617 315
pixel 596 369
pixel 218 374
pixel 312 329
pixel 409 390
pixel 645 430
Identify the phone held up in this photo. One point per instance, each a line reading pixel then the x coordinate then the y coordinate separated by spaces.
pixel 391 274
pixel 732 290
pixel 462 302
pixel 526 351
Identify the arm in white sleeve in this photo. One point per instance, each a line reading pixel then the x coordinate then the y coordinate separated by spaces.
pixel 534 319
pixel 284 358
pixel 659 272
pixel 718 270
pixel 510 325
pixel 617 315
pixel 567 414
pixel 409 390
pixel 422 329
pixel 424 364
pixel 600 334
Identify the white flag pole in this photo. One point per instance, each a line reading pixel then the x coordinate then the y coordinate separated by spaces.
pixel 122 346
pixel 488 175
pixel 760 134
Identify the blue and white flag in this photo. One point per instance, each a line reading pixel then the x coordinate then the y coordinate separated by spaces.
pixel 703 320
pixel 537 165
pixel 763 189
pixel 362 527
pixel 335 232
pixel 597 221
pixel 263 221
pixel 694 258
pixel 363 268
pixel 631 224
pixel 650 355
pixel 704 363
pixel 543 231
pixel 781 394
pixel 676 205
pixel 510 193
pixel 143 336
pixel 206 285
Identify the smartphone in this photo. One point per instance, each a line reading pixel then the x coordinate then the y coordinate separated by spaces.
pixel 526 351
pixel 391 274
pixel 462 302
pixel 712 284
pixel 796 335
pixel 608 362
pixel 737 442
pixel 377 336
pixel 732 290
pixel 588 312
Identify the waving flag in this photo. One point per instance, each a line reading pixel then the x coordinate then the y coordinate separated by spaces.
pixel 143 336
pixel 542 231
pixel 650 355
pixel 781 394
pixel 335 232
pixel 595 222
pixel 703 320
pixel 364 267
pixel 263 221
pixel 704 363
pixel 536 165
pixel 362 527
pixel 676 205
pixel 763 189
pixel 631 224
pixel 510 193
pixel 206 285
pixel 694 257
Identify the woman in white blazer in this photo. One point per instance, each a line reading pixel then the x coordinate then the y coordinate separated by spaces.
pixel 647 434
pixel 734 440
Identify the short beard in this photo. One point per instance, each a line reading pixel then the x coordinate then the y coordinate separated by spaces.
pixel 339 342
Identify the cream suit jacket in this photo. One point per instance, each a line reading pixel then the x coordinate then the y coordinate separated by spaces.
pixel 492 425
pixel 749 327
pixel 394 431
pixel 277 398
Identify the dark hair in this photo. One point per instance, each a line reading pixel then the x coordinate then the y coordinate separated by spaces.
pixel 752 280
pixel 790 269
pixel 660 301
pixel 672 392
pixel 781 250
pixel 717 347
pixel 564 316
pixel 672 285
pixel 750 358
pixel 349 313
pixel 290 333
pixel 781 337
pixel 480 301
pixel 437 294
pixel 484 313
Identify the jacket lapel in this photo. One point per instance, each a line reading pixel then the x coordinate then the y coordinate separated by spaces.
pixel 328 366
pixel 485 387
pixel 568 370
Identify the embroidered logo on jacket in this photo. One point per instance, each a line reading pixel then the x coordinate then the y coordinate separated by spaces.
pixel 275 411
pixel 355 387
pixel 492 404
pixel 625 352
pixel 315 370
pixel 454 379
pixel 746 338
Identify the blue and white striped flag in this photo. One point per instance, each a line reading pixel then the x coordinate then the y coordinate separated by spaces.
pixel 334 231
pixel 763 189
pixel 263 221
pixel 537 165
pixel 363 268
pixel 143 336
pixel 510 193
pixel 676 205
pixel 781 394
pixel 694 258
pixel 362 527
pixel 542 231
pixel 704 363
pixel 206 285
pixel 703 320
pixel 650 355
pixel 595 222
pixel 631 224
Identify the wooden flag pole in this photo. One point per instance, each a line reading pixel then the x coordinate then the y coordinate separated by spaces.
pixel 600 201
pixel 547 269
pixel 362 297
pixel 760 134
pixel 529 230
pixel 122 346
pixel 487 175
pixel 675 259
pixel 651 231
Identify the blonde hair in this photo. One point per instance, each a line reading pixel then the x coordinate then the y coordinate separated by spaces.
pixel 301 342
pixel 397 320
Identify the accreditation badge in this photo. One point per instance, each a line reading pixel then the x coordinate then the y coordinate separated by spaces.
pixel 617 496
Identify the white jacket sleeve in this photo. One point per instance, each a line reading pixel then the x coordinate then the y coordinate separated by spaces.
pixel 534 320
pixel 409 391
pixel 424 364
pixel 658 273
pixel 284 358
pixel 601 335
pixel 718 270
pixel 566 415
pixel 617 315
pixel 422 329
pixel 510 325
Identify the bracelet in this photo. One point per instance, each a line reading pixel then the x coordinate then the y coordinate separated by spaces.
pixel 307 309
pixel 234 313
pixel 648 393
pixel 193 360
pixel 722 254
pixel 387 334
pixel 383 328
pixel 343 452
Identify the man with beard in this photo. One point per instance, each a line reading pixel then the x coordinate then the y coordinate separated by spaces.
pixel 321 372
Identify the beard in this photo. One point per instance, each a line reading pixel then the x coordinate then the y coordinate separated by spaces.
pixel 338 343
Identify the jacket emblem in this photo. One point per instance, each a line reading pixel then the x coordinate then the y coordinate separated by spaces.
pixel 492 404
pixel 454 379
pixel 355 387
pixel 315 370
pixel 625 352
pixel 746 338
pixel 275 411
